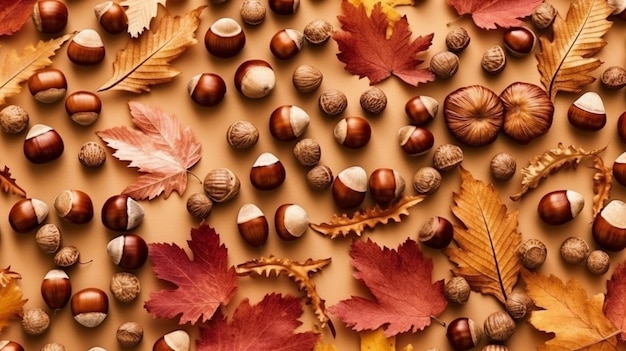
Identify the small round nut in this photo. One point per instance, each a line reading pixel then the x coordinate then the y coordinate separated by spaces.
pixel 252 12
pixel 533 253
pixel 242 135
pixel 543 16
pixel 499 326
pixel 333 102
pixel 502 166
pixel 318 31
pixel 518 305
pixel 125 287
pixel 493 60
pixel 444 64
pixel 457 290
pixel 457 40
pixel 53 346
pixel 613 78
pixel 373 100
pixel 307 152
pixel 426 180
pixel 129 334
pixel 598 262
pixel 307 78
pixel 35 321
pixel 67 256
pixel 48 238
pixel 320 177
pixel 92 154
pixel 447 156
pixel 221 184
pixel 13 119
pixel 199 205
pixel 574 250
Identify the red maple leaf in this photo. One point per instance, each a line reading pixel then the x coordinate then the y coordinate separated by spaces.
pixel 204 283
pixel 404 296
pixel 161 148
pixel 366 51
pixel 13 15
pixel 615 301
pixel 488 14
pixel 266 326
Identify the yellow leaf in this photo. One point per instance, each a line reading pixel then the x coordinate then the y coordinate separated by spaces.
pixel 146 61
pixel 488 240
pixel 602 184
pixel 320 346
pixel 387 6
pixel 17 68
pixel 575 319
pixel 11 301
pixel 376 341
pixel 566 62
pixel 140 13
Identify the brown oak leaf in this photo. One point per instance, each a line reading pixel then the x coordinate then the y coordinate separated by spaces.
pixel 487 241
pixel 11 297
pixel 575 319
pixel 366 51
pixel 489 14
pixel 161 148
pixel 602 184
pixel 14 14
pixel 615 301
pixel 8 183
pixel 140 13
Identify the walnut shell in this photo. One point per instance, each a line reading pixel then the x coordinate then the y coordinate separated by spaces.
pixel 447 156
pixel 528 112
pixel 307 78
pixel 221 184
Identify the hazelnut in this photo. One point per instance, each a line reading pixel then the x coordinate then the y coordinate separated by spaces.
pixel 560 206
pixel 533 253
pixel 307 78
pixel 206 89
pixel 421 109
pixel 90 307
pixel 320 177
pixel 129 334
pixel 499 326
pixel 221 184
pixel 619 169
pixel 447 156
pixel 518 305
pixel 463 334
pixel 199 205
pixel 444 64
pixel 318 31
pixel 587 113
pixel 519 41
pixel 86 48
pixel 177 340
pixel 474 115
pixel 291 221
pixel 613 78
pixel 286 43
pixel 543 16
pixel 35 321
pixel 502 166
pixel 74 206
pixel 66 256
pixel 574 250
pixel 112 17
pixel 528 112
pixel 373 100
pixel 288 122
pixel 128 251
pixel 42 144
pixel 242 135
pixel 92 154
pixel 124 286
pixel 83 107
pixel 284 7
pixel 52 347
pixel 307 152
pixel 47 85
pixel 493 60
pixel 252 225
pixel 267 172
pixel 353 132
pixel 252 12
pixel 436 233
pixel 27 214
pixel 6 345
pixel 56 289
pixel 13 119
pixel 415 141
pixel 457 290
pixel 50 16
pixel 48 238
pixel 255 78
pixel 349 187
pixel 121 213
pixel 224 38
pixel 333 102
pixel 426 180
pixel 598 262
pixel 609 226
pixel 385 185
pixel 457 40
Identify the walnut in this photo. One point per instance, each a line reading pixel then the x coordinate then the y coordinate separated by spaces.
pixel 457 290
pixel 518 305
pixel 252 12
pixel 444 64
pixel 373 100
pixel 318 31
pixel 457 40
pixel 48 238
pixel 35 321
pixel 13 119
pixel 53 347
pixel 307 152
pixel 495 347
pixel 447 156
pixel 129 334
pixel 426 180
pixel 613 78
pixel 502 166
pixel 598 262
pixel 320 177
pixel 92 154
pixel 125 287
pixel 307 78
pixel 499 326
pixel 221 184
pixel 533 253
pixel 67 256
pixel 574 250
pixel 493 60
pixel 543 16
pixel 199 205
pixel 333 102
pixel 242 135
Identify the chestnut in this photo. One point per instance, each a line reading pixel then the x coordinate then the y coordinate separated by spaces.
pixel 56 289
pixel 619 169
pixel 74 206
pixel 225 38
pixel 463 334
pixel 621 127
pixel 288 122
pixel 86 48
pixel 561 206
pixel 421 109
pixel 128 251
pixel 47 85
pixel 50 16
pixel 255 78
pixel 121 212
pixel 286 43
pixel 353 132
pixel 112 17
pixel 26 214
pixel 284 7
pixel 349 187
pixel 609 226
pixel 178 340
pixel 42 144
pixel 206 89
pixel 436 233
pixel 6 345
pixel 519 41
pixel 252 225
pixel 267 172
pixel 90 307
pixel 291 221
pixel 83 107
pixel 386 185
pixel 415 141
pixel 587 113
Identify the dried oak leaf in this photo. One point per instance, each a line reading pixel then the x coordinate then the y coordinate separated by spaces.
pixel 487 241
pixel 615 301
pixel 14 14
pixel 11 297
pixel 17 68
pixel 146 61
pixel 366 51
pixel 565 62
pixel 298 272
pixel 203 283
pixel 602 184
pixel 161 148
pixel 405 299
pixel 575 319
pixel 489 14
pixel 140 13
pixel 9 184
pixel 345 225
pixel 268 325
pixel 387 6
pixel 551 161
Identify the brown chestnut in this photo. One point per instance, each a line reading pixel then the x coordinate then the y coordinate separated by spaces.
pixel 415 141
pixel 609 226
pixel 255 78
pixel 47 85
pixel 284 7
pixel 6 345
pixel 26 214
pixel 561 206
pixel 267 172
pixel 112 17
pixel 56 289
pixel 519 41
pixel 436 233
pixel 206 89
pixel 286 43
pixel 587 113
pixel 353 132
pixel 386 185
pixel 621 127
pixel 74 206
pixel 178 340
pixel 288 122
pixel 86 48
pixel 463 334
pixel 252 225
pixel 128 251
pixel 291 221
pixel 90 307
pixel 50 16
pixel 83 107
pixel 121 212
pixel 225 38
pixel 349 187
pixel 619 169
pixel 421 109
pixel 42 144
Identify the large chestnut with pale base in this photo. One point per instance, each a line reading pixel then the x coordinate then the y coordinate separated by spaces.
pixel 349 187
pixel 560 207
pixel 178 340
pixel 121 212
pixel 609 226
pixel 90 307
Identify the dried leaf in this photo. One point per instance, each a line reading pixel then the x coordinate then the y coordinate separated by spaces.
pixel 489 14
pixel 549 162
pixel 565 63
pixel 377 341
pixel 321 346
pixel 7 276
pixel 161 148
pixel 8 183
pixel 388 7
pixel 488 240
pixel 345 225
pixel 366 51
pixel 14 14
pixel 146 61
pixel 298 272
pixel 17 68
pixel 575 319
pixel 615 303
pixel 140 13
pixel 11 297
pixel 602 184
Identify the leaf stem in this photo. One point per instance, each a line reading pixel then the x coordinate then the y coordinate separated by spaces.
pixel 195 176
pixel 439 321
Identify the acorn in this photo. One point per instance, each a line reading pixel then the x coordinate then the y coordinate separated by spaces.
pixel 47 85
pixel 27 214
pixel 609 226
pixel 436 233
pixel 587 113
pixel 206 89
pixel 178 340
pixel 463 334
pixel 74 206
pixel 90 307
pixel 288 122
pixel 349 187
pixel 291 221
pixel 83 107
pixel 252 225
pixel 112 17
pixel 386 185
pixel 225 38
pixel 50 16
pixel 267 172
pixel 128 251
pixel 56 289
pixel 255 78
pixel 43 144
pixel 561 206
pixel 353 132
pixel 121 213
pixel 86 48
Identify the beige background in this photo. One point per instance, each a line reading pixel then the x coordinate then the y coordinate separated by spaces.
pixel 168 221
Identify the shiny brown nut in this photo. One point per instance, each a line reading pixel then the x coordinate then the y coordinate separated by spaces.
pixel 288 122
pixel 286 43
pixel 436 233
pixel 255 78
pixel 421 109
pixel 415 141
pixel 621 127
pixel 112 17
pixel 206 89
pixel 349 187
pixel 587 113
pixel 7 345
pixel 74 206
pixel 86 48
pixel 291 221
pixel 90 307
pixel 225 38
pixel 284 7
pixel 386 185
pixel 463 334
pixel 177 340
pixel 519 41
pixel 619 169
pixel 252 225
pixel 353 132
pixel 27 214
pixel 56 289
pixel 121 213
pixel 50 16
pixel 47 85
pixel 609 226
pixel 83 107
pixel 559 207
pixel 128 251
pixel 267 172
pixel 43 144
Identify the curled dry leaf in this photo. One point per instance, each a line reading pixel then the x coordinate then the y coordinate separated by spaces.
pixel 345 225
pixel 299 272
pixel 8 183
pixel 602 184
pixel 140 13
pixel 11 297
pixel 551 161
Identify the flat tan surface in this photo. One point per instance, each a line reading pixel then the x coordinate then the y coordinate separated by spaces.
pixel 168 221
